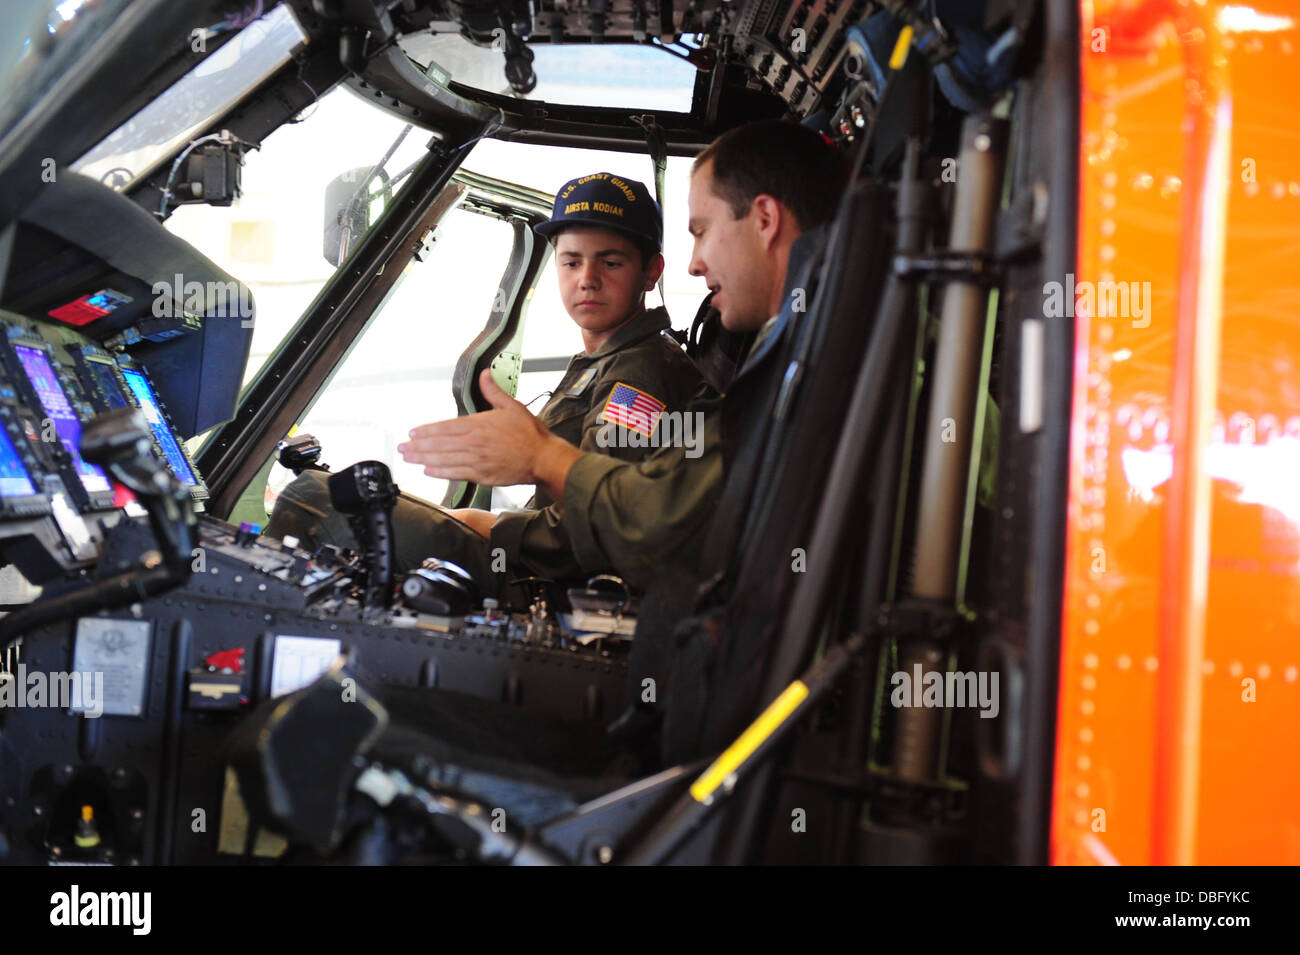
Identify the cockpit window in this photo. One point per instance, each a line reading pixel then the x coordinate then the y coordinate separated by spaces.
pixel 404 361
pixel 271 238
pixel 616 74
pixel 39 41
pixel 153 134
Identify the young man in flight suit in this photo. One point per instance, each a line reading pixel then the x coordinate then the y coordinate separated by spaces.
pixel 606 232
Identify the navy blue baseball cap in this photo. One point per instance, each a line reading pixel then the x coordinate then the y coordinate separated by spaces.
pixel 610 201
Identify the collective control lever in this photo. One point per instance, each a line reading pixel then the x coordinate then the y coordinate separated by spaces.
pixel 366 493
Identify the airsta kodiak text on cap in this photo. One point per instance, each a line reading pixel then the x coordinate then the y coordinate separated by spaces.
pixel 605 200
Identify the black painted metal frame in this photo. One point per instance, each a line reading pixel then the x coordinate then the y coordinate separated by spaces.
pixel 305 359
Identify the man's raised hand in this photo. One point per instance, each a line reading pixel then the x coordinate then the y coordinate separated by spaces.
pixel 504 446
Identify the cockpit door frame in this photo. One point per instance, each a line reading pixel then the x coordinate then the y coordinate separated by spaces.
pixel 498 346
pixel 300 368
pixel 279 395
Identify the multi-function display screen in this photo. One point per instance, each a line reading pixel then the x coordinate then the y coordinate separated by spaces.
pixel 14 479
pixel 108 383
pixel 139 386
pixel 66 423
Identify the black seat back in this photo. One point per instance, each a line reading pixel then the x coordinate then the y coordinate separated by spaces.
pixel 782 420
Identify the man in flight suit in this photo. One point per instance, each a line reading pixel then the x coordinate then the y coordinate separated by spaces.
pixel 606 232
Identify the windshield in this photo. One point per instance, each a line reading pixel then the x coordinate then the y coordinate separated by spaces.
pixel 153 134
pixel 271 237
pixel 615 74
pixel 39 42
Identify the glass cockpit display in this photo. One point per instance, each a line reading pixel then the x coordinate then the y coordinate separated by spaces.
pixel 14 479
pixel 109 386
pixel 139 386
pixel 66 423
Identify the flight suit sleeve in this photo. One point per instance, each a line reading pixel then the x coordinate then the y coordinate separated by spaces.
pixel 535 541
pixel 636 518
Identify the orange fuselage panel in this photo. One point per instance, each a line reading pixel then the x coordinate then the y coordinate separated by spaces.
pixel 1177 736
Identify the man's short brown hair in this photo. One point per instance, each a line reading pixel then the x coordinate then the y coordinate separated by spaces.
pixel 793 164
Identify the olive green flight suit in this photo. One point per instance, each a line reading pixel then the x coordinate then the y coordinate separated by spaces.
pixel 635 519
pixel 640 355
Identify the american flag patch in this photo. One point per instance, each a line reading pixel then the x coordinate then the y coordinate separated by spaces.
pixel 633 409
